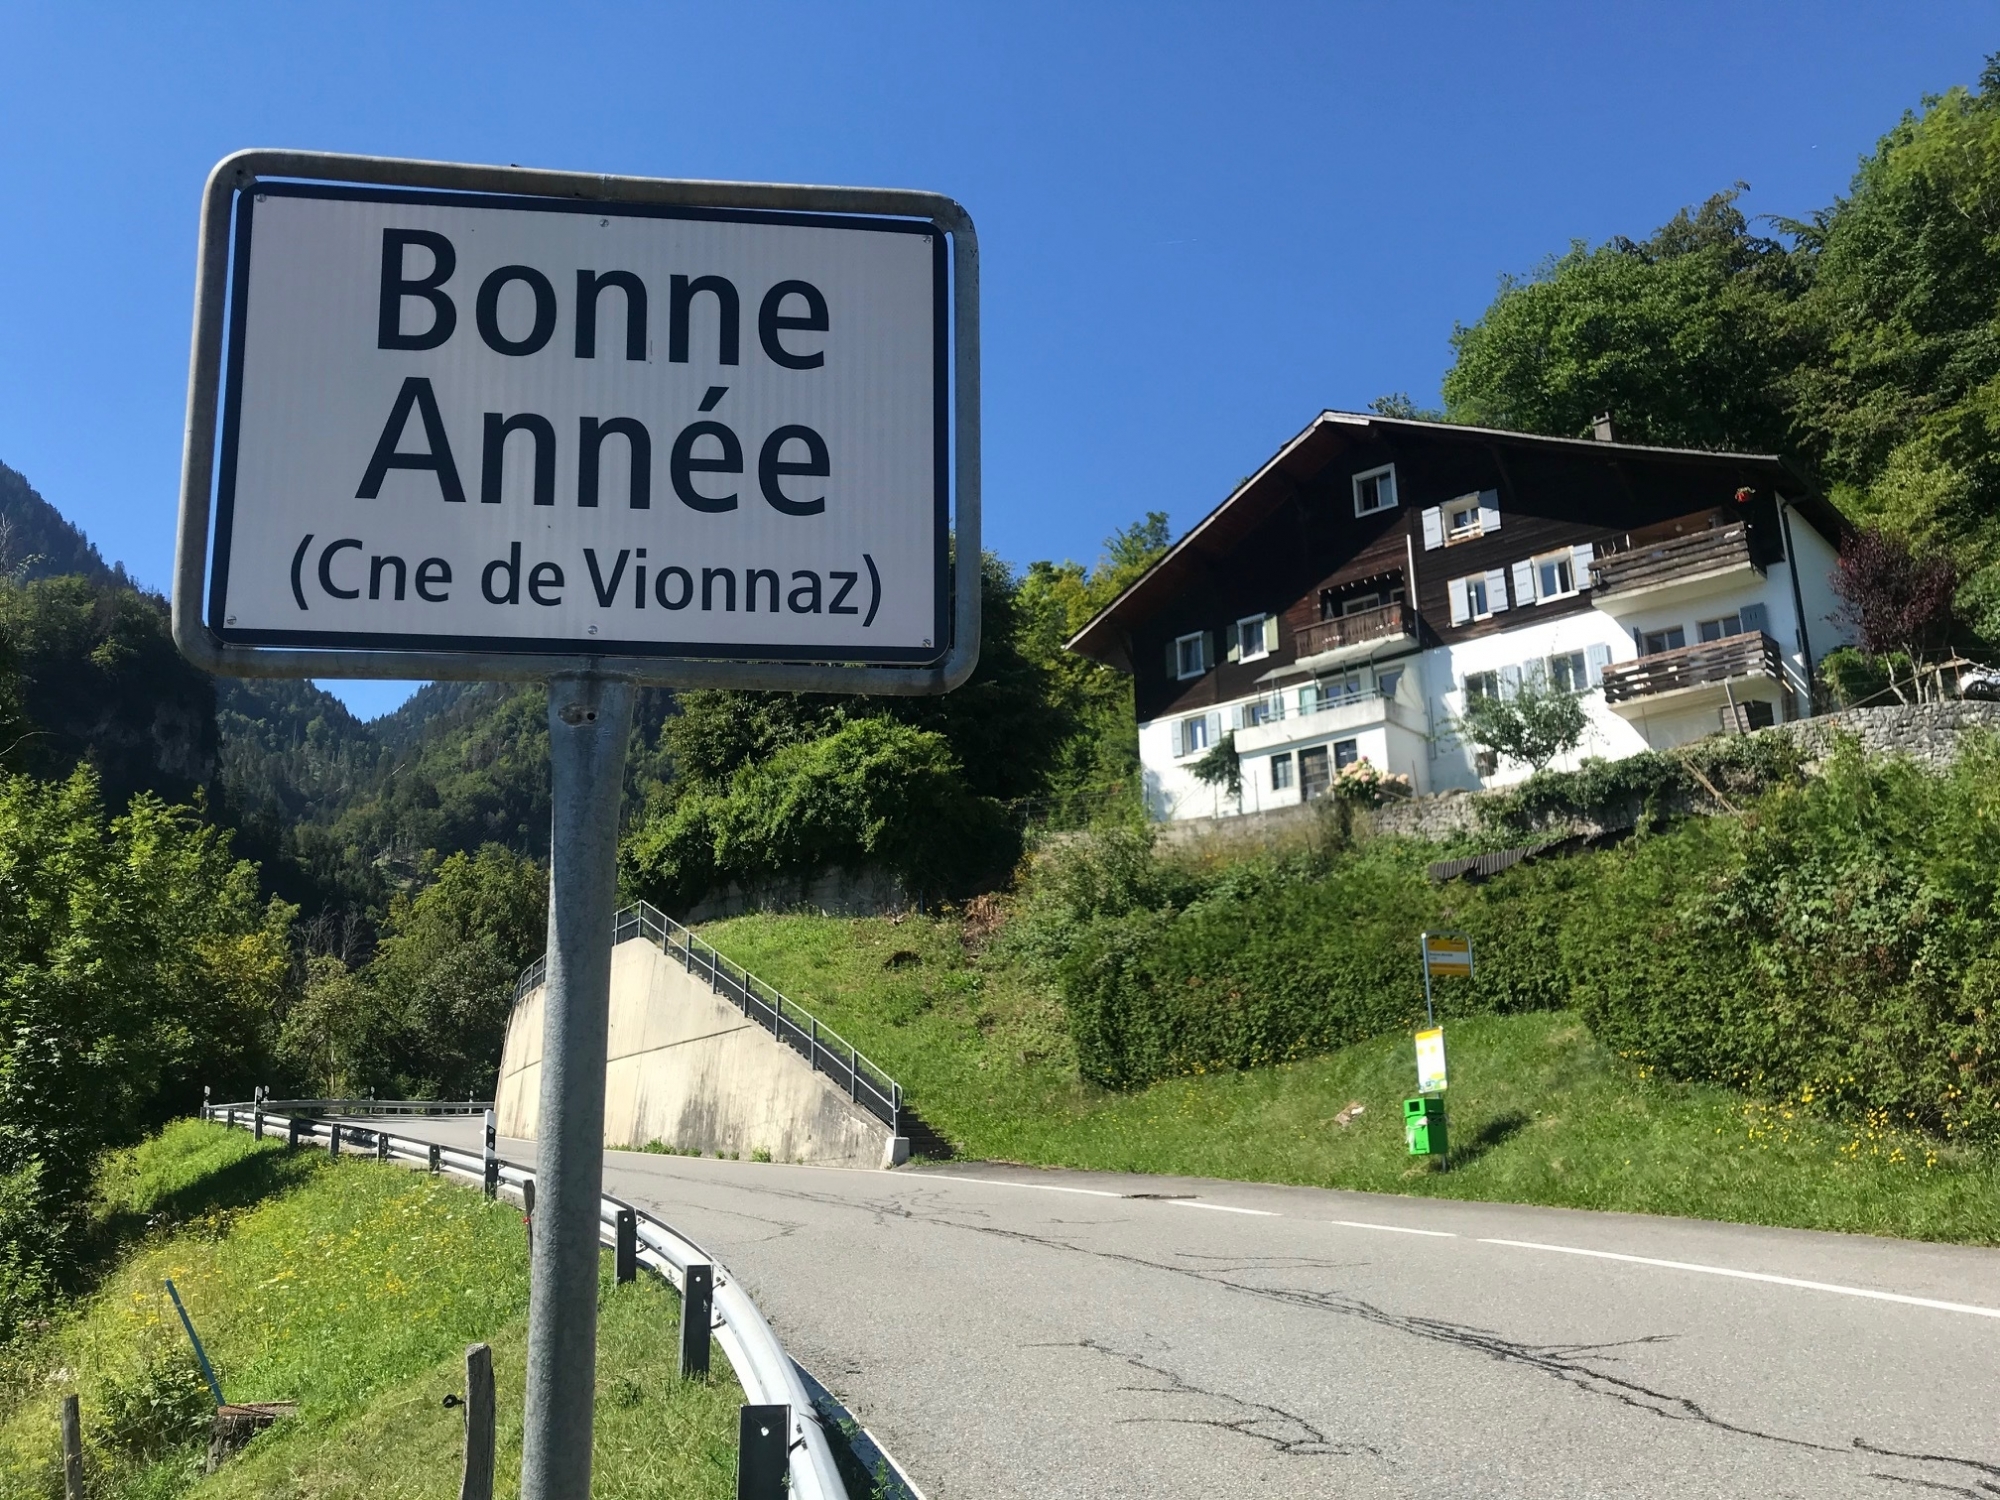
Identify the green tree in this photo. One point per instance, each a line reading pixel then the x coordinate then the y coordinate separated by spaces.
pixel 1532 723
pixel 1686 338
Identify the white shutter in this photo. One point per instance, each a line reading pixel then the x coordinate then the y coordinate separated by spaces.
pixel 1461 611
pixel 1580 557
pixel 1755 617
pixel 1524 583
pixel 1510 682
pixel 1433 529
pixel 1496 589
pixel 1489 511
pixel 1214 730
pixel 1233 641
pixel 1270 632
pixel 1600 658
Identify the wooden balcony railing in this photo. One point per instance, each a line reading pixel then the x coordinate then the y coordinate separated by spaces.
pixel 1652 564
pixel 1389 622
pixel 1752 654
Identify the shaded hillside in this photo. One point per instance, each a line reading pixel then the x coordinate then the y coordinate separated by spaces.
pixel 36 541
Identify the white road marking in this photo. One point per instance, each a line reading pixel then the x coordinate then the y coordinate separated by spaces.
pixel 1968 1308
pixel 1437 1234
pixel 1221 1208
pixel 1040 1187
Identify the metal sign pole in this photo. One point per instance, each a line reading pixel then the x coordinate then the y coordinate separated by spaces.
pixel 590 718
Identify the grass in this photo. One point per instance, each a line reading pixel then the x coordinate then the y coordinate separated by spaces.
pixel 1540 1113
pixel 353 1290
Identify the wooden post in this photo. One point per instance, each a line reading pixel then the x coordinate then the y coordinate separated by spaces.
pixel 72 1444
pixel 478 1481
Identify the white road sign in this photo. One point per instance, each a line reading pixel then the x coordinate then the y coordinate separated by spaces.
pixel 460 422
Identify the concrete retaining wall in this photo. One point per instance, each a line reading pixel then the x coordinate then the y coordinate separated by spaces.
pixel 690 1070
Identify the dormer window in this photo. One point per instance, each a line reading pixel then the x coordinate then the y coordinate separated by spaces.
pixel 1375 490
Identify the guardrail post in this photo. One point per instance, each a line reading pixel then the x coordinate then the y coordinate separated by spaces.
pixel 697 1317
pixel 437 1161
pixel 333 1139
pixel 292 1133
pixel 231 1120
pixel 72 1447
pixel 627 1257
pixel 528 1213
pixel 763 1451
pixel 492 1173
pixel 478 1481
pixel 204 1101
pixel 381 1145
pixel 853 1074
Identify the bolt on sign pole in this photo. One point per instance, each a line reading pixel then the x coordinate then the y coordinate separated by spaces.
pixel 500 424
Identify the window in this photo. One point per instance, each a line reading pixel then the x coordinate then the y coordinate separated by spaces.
pixel 1387 682
pixel 1341 689
pixel 1191 655
pixel 1254 637
pixel 1481 685
pixel 1281 771
pixel 1461 520
pixel 1263 711
pixel 1360 604
pixel 1570 672
pixel 1345 753
pixel 1554 576
pixel 1653 642
pixel 1486 762
pixel 1476 597
pixel 1314 777
pixel 1194 735
pixel 1375 490
pixel 1715 630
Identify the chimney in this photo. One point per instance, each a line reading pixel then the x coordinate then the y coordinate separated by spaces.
pixel 1602 430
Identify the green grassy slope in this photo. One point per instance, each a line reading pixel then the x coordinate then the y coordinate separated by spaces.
pixel 352 1289
pixel 1540 1112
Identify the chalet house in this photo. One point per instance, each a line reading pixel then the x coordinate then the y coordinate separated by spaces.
pixel 1351 596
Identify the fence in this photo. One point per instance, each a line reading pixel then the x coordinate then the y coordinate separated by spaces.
pixel 763 1369
pixel 866 1084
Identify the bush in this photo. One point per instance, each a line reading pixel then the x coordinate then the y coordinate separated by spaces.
pixel 871 793
pixel 1276 959
pixel 1840 946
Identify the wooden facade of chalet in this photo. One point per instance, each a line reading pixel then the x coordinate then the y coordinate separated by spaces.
pixel 1289 542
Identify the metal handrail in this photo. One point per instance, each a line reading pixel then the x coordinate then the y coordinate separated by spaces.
pixel 788 1021
pixel 763 1369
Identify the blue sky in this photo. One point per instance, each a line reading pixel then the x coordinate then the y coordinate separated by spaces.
pixel 1199 224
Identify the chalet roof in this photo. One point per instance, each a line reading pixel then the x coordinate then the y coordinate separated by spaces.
pixel 1308 454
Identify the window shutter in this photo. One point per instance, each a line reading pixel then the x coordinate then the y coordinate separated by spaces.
pixel 1496 589
pixel 1270 632
pixel 1524 582
pixel 1433 529
pixel 1755 617
pixel 1207 649
pixel 1510 682
pixel 1173 658
pixel 1580 557
pixel 1232 642
pixel 1489 511
pixel 1214 729
pixel 1460 610
pixel 1600 658
pixel 1236 717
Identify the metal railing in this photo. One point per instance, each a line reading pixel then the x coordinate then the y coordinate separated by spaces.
pixel 828 1052
pixel 439 1107
pixel 1750 654
pixel 1390 622
pixel 763 1369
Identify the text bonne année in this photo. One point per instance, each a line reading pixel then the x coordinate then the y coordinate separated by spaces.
pixel 702 448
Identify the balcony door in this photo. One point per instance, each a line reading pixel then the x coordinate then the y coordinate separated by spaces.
pixel 1315 775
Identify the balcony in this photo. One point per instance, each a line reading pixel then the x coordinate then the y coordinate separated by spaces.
pixel 1643 573
pixel 1274 722
pixel 1351 637
pixel 1690 676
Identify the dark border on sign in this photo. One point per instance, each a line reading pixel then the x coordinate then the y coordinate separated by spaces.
pixel 236 334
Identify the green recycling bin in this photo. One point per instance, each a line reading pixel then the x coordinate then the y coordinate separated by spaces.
pixel 1423 1125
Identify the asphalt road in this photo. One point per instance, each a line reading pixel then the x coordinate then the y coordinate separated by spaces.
pixel 1013 1332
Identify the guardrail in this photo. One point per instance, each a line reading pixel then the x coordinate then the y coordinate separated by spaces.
pixel 763 1369
pixel 791 1023
pixel 429 1107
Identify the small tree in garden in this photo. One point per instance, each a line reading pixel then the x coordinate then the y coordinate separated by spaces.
pixel 1534 724
pixel 1222 766
pixel 1898 601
